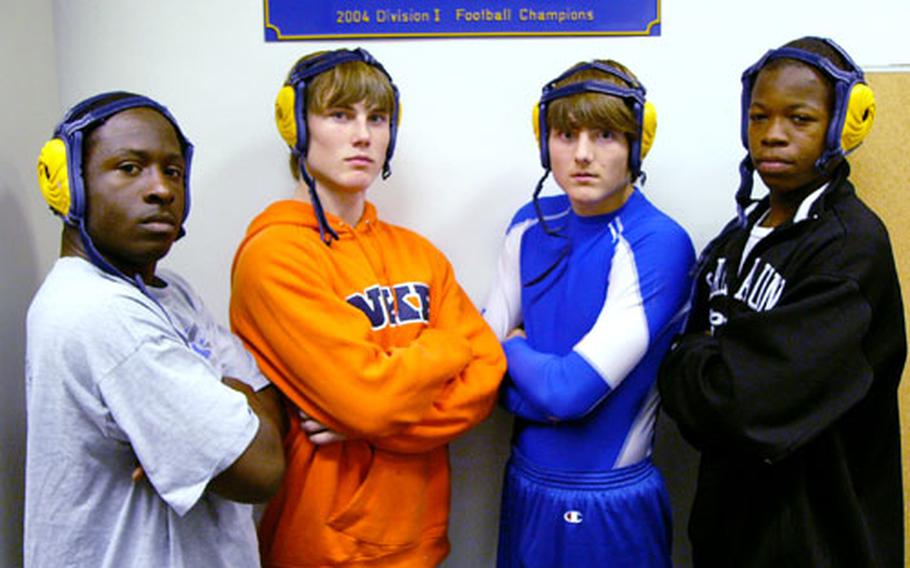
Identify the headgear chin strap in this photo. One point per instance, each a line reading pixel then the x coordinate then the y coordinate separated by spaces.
pixel 60 163
pixel 851 118
pixel 633 94
pixel 290 117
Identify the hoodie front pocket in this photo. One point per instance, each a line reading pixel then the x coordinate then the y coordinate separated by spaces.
pixel 390 506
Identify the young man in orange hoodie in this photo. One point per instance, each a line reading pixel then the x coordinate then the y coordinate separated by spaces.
pixel 365 330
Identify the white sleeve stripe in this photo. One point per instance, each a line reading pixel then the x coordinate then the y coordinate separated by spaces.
pixel 637 445
pixel 502 310
pixel 620 337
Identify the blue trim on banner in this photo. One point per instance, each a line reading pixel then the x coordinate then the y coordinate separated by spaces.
pixel 288 20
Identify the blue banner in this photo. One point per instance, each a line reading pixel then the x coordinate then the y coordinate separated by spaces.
pixel 288 20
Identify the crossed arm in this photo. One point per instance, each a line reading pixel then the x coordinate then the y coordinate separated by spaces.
pixel 351 381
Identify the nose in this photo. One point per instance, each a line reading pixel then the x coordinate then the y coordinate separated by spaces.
pixel 161 188
pixel 362 134
pixel 774 133
pixel 583 147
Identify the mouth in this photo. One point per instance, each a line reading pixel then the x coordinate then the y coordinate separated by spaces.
pixel 359 160
pixel 772 165
pixel 160 223
pixel 583 177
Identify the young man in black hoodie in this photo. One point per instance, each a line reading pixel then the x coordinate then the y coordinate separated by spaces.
pixel 786 378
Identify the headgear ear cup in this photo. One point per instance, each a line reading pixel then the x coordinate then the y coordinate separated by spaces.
pixel 858 118
pixel 648 128
pixel 285 118
pixel 53 177
pixel 535 121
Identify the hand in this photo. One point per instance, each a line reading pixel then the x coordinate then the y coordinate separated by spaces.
pixel 317 432
pixel 517 332
pixel 138 474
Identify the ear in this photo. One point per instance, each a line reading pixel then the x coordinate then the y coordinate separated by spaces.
pixel 53 177
pixel 648 128
pixel 285 118
pixel 858 118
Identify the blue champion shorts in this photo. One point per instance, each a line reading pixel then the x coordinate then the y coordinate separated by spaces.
pixel 551 519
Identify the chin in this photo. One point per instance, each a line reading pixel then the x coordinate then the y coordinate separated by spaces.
pixel 777 185
pixel 156 254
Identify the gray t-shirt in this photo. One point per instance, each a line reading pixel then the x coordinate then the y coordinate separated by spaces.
pixel 113 380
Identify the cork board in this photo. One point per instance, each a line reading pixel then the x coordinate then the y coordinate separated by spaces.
pixel 881 173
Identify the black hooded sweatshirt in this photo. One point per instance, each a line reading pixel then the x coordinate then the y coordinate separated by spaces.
pixel 786 382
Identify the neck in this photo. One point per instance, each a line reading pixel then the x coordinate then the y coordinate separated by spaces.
pixel 346 206
pixel 784 204
pixel 71 244
pixel 612 203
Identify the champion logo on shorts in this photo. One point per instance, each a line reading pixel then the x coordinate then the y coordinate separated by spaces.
pixel 572 517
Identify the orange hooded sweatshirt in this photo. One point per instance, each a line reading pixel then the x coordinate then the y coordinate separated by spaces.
pixel 373 337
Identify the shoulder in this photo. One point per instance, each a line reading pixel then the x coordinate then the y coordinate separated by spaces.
pixel 552 207
pixel 399 242
pixel 279 239
pixel 186 308
pixel 77 293
pixel 87 322
pixel 278 249
pixel 285 225
pixel 858 220
pixel 404 235
pixel 177 286
pixel 644 224
pixel 851 238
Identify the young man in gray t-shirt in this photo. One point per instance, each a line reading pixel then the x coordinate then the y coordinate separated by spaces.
pixel 126 368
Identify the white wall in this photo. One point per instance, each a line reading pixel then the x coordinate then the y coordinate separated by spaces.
pixel 28 237
pixel 466 156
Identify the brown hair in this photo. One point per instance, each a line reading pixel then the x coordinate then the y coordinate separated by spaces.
pixel 344 85
pixel 593 110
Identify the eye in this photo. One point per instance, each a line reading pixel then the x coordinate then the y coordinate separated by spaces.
pixel 378 117
pixel 174 172
pixel 129 168
pixel 801 118
pixel 756 116
pixel 338 113
pixel 565 135
pixel 606 134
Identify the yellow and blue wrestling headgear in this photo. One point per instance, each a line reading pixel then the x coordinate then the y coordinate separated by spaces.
pixel 631 91
pixel 60 163
pixel 290 116
pixel 633 94
pixel 851 117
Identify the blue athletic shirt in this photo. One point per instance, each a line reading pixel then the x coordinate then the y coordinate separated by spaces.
pixel 600 302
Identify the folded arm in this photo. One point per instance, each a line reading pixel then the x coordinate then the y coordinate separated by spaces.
pixel 256 475
pixel 469 395
pixel 768 382
pixel 643 301
pixel 320 350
